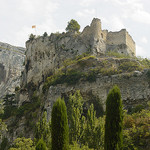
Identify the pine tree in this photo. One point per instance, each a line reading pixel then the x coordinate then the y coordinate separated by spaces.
pixel 73 26
pixel 60 134
pixel 114 119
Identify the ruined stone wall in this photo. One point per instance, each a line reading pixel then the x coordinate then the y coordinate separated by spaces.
pixel 116 38
pixel 130 43
pixel 104 35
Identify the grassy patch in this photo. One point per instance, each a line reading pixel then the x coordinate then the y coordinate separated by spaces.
pixel 130 66
pixel 117 55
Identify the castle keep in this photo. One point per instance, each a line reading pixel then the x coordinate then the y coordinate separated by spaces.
pixel 104 41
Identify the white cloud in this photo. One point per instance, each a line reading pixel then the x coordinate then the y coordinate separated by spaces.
pixel 134 10
pixel 140 51
pixel 144 40
pixel 86 2
pixel 86 13
pixel 21 15
pixel 116 23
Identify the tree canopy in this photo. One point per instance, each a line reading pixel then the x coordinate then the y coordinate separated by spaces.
pixel 73 26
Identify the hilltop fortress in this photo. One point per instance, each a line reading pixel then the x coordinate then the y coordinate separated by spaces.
pixel 104 41
pixel 46 54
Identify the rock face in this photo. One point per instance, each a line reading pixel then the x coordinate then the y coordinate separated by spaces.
pixel 11 65
pixel 45 54
pixel 135 90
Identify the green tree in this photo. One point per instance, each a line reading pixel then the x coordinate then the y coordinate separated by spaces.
pixel 60 129
pixel 94 132
pixel 23 144
pixel 45 34
pixel 43 130
pixel 32 37
pixel 73 26
pixel 76 120
pixel 41 145
pixel 114 120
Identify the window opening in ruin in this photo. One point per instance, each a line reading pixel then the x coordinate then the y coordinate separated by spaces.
pixel 101 35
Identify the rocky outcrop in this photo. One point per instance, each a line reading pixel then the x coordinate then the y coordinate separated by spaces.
pixel 135 90
pixel 46 54
pixel 11 65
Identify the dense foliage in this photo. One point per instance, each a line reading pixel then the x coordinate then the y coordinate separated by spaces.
pixel 73 26
pixel 86 129
pixel 114 120
pixel 43 130
pixel 60 128
pixel 41 145
pixel 23 144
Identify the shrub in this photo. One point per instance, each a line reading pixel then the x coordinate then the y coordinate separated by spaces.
pixel 130 66
pixel 23 144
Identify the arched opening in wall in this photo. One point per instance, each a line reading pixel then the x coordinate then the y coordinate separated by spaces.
pixel 102 35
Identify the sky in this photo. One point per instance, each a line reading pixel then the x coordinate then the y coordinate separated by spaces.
pixel 18 16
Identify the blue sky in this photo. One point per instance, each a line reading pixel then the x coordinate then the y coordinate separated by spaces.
pixel 18 16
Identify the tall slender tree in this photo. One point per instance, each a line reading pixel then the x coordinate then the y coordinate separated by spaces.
pixel 114 119
pixel 76 120
pixel 60 129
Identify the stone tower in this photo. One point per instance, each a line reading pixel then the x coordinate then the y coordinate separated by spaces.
pixel 93 35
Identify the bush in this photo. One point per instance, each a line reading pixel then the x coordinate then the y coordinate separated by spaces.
pixel 23 144
pixel 130 66
pixel 136 133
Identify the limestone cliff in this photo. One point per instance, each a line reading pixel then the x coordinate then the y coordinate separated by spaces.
pixel 11 65
pixel 45 54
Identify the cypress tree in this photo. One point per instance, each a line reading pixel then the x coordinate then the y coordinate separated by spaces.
pixel 114 119
pixel 60 133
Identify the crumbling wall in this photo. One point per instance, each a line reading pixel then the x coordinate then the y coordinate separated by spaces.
pixel 130 43
pixel 116 38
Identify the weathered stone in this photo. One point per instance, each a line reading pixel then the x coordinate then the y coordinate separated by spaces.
pixel 134 89
pixel 11 65
pixel 45 54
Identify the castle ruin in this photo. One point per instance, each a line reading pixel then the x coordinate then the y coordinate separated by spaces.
pixel 103 41
pixel 44 55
